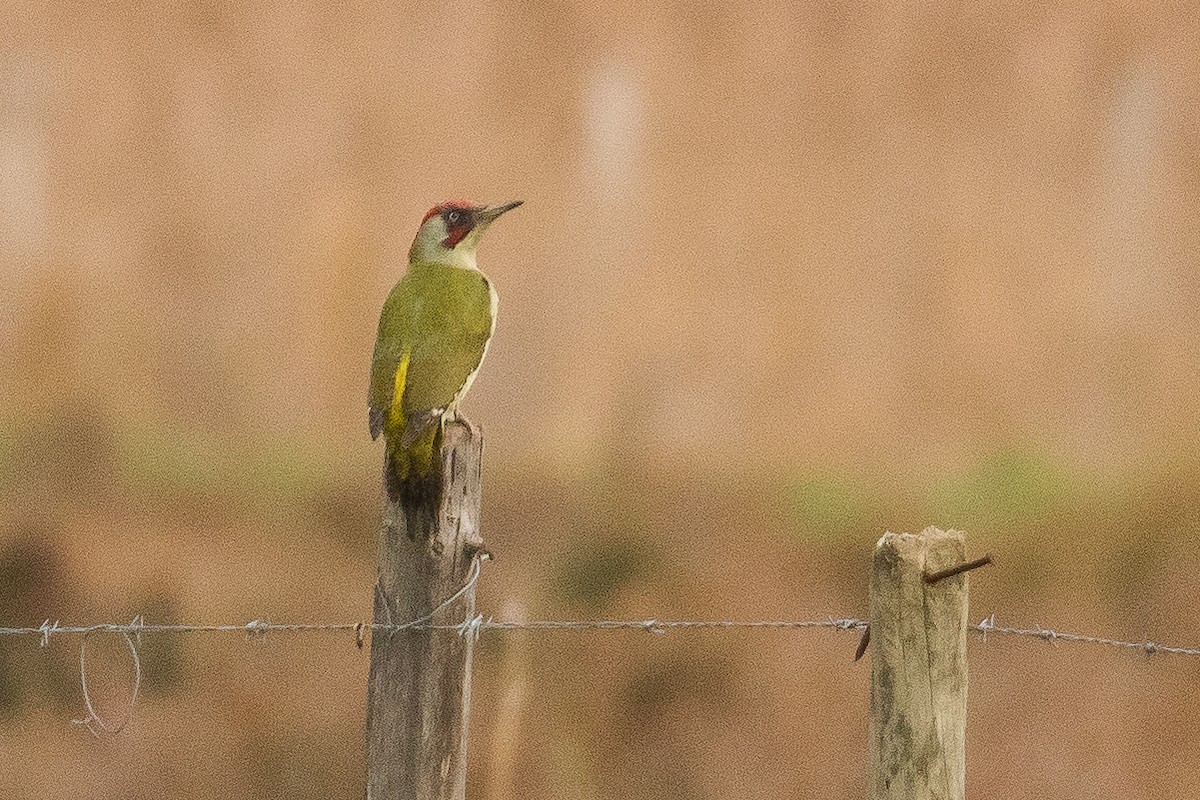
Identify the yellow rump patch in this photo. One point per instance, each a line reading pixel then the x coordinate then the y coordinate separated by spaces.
pixel 418 456
pixel 396 412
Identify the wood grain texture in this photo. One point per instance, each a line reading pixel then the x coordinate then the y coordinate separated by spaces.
pixel 918 669
pixel 418 692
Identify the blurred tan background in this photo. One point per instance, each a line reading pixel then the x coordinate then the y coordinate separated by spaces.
pixel 787 276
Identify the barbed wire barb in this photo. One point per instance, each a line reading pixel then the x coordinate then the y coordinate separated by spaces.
pixel 46 629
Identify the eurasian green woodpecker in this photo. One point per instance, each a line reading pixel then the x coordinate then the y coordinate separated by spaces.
pixel 433 334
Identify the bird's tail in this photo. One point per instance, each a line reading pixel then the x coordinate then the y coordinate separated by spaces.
pixel 412 464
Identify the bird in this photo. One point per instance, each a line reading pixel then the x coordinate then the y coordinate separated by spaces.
pixel 434 332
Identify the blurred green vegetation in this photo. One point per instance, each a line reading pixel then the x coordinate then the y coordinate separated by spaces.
pixel 160 463
pixel 85 451
pixel 591 575
pixel 1009 487
pixel 832 507
pixel 1042 517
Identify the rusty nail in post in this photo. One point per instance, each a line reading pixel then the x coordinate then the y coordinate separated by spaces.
pixel 862 643
pixel 961 568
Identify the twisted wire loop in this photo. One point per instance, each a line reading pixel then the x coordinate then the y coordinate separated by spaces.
pixel 93 721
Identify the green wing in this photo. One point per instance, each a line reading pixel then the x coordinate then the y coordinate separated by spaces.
pixel 439 319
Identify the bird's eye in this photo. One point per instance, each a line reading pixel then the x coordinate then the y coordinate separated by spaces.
pixel 452 217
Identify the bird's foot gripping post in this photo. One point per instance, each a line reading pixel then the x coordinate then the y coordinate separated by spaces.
pixel 418 692
pixel 918 625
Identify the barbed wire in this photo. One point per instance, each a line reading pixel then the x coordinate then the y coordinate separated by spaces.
pixel 989 626
pixel 473 626
pixel 479 624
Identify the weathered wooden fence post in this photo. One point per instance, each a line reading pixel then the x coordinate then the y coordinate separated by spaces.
pixel 418 693
pixel 918 668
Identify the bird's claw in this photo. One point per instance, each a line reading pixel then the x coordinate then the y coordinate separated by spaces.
pixel 456 416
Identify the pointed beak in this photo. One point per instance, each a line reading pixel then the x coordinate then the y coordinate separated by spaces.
pixel 490 213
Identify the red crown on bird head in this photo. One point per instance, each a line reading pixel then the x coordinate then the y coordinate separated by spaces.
pixel 461 205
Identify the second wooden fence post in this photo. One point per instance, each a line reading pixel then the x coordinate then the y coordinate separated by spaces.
pixel 918 668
